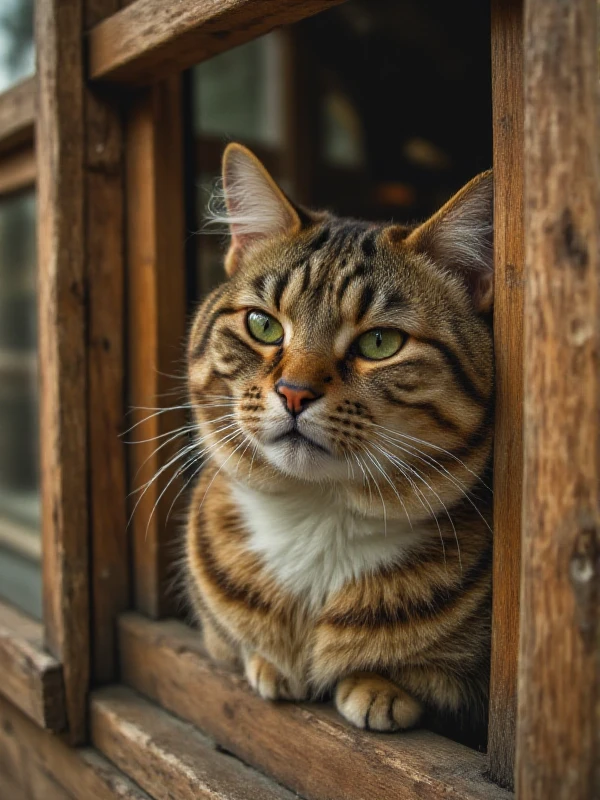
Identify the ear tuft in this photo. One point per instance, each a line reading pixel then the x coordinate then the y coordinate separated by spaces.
pixel 254 206
pixel 460 237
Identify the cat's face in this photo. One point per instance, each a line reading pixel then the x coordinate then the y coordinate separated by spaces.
pixel 348 353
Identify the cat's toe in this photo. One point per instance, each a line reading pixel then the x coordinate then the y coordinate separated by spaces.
pixel 268 682
pixel 376 704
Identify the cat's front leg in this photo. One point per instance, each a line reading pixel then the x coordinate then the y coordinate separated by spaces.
pixel 270 683
pixel 377 704
pixel 219 649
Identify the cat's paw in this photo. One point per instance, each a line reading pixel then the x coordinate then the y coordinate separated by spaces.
pixel 376 704
pixel 269 683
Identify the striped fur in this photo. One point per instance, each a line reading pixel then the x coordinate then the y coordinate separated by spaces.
pixel 347 551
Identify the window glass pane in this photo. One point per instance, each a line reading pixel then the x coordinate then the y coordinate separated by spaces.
pixel 237 94
pixel 342 131
pixel 19 471
pixel 17 54
pixel 20 581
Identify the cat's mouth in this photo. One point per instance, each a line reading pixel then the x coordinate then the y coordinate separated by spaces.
pixel 300 456
pixel 298 439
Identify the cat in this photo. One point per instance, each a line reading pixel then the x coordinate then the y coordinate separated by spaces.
pixel 338 541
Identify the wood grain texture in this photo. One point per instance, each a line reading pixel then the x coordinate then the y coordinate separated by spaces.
pixel 170 758
pixel 17 114
pixel 17 169
pixel 157 325
pixel 8 788
pixel 150 38
pixel 558 741
pixel 309 749
pixel 37 786
pixel 507 103
pixel 105 255
pixel 41 766
pixel 29 677
pixel 62 350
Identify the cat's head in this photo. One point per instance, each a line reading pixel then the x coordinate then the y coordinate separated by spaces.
pixel 346 352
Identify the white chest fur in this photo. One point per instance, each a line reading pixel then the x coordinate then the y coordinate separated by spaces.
pixel 313 544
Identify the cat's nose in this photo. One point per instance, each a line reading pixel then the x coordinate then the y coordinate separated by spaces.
pixel 296 398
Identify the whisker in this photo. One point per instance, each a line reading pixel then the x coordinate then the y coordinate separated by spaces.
pixel 156 413
pixel 379 490
pixel 425 458
pixel 240 433
pixel 185 451
pixel 156 450
pixel 180 453
pixel 348 466
pixel 416 472
pixel 181 377
pixel 173 477
pixel 176 435
pixel 449 477
pixel 255 450
pixel 185 485
pixel 242 454
pixel 174 459
pixel 434 447
pixel 159 472
pixel 394 489
pixel 183 428
pixel 179 407
pixel 366 480
pixel 402 466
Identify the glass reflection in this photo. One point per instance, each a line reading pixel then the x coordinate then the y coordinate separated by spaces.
pixel 17 54
pixel 19 435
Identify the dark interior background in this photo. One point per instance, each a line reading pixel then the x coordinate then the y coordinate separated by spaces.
pixel 377 109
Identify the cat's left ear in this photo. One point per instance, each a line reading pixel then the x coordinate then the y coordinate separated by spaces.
pixel 257 209
pixel 460 237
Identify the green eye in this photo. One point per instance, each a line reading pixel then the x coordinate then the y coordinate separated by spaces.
pixel 264 328
pixel 379 343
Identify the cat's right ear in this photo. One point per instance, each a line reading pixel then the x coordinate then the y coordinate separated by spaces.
pixel 460 237
pixel 255 207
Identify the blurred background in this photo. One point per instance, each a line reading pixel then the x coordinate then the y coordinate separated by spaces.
pixel 377 109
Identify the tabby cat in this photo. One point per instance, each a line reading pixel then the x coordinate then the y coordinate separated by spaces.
pixel 338 540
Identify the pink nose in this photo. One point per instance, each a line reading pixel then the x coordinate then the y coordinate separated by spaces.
pixel 296 397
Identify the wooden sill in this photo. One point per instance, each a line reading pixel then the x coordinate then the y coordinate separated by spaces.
pixel 29 677
pixel 17 115
pixel 169 758
pixel 150 39
pixel 307 748
pixel 38 764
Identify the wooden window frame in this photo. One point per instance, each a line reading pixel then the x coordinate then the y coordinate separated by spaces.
pixel 80 320
pixel 117 57
pixel 110 194
pixel 36 731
